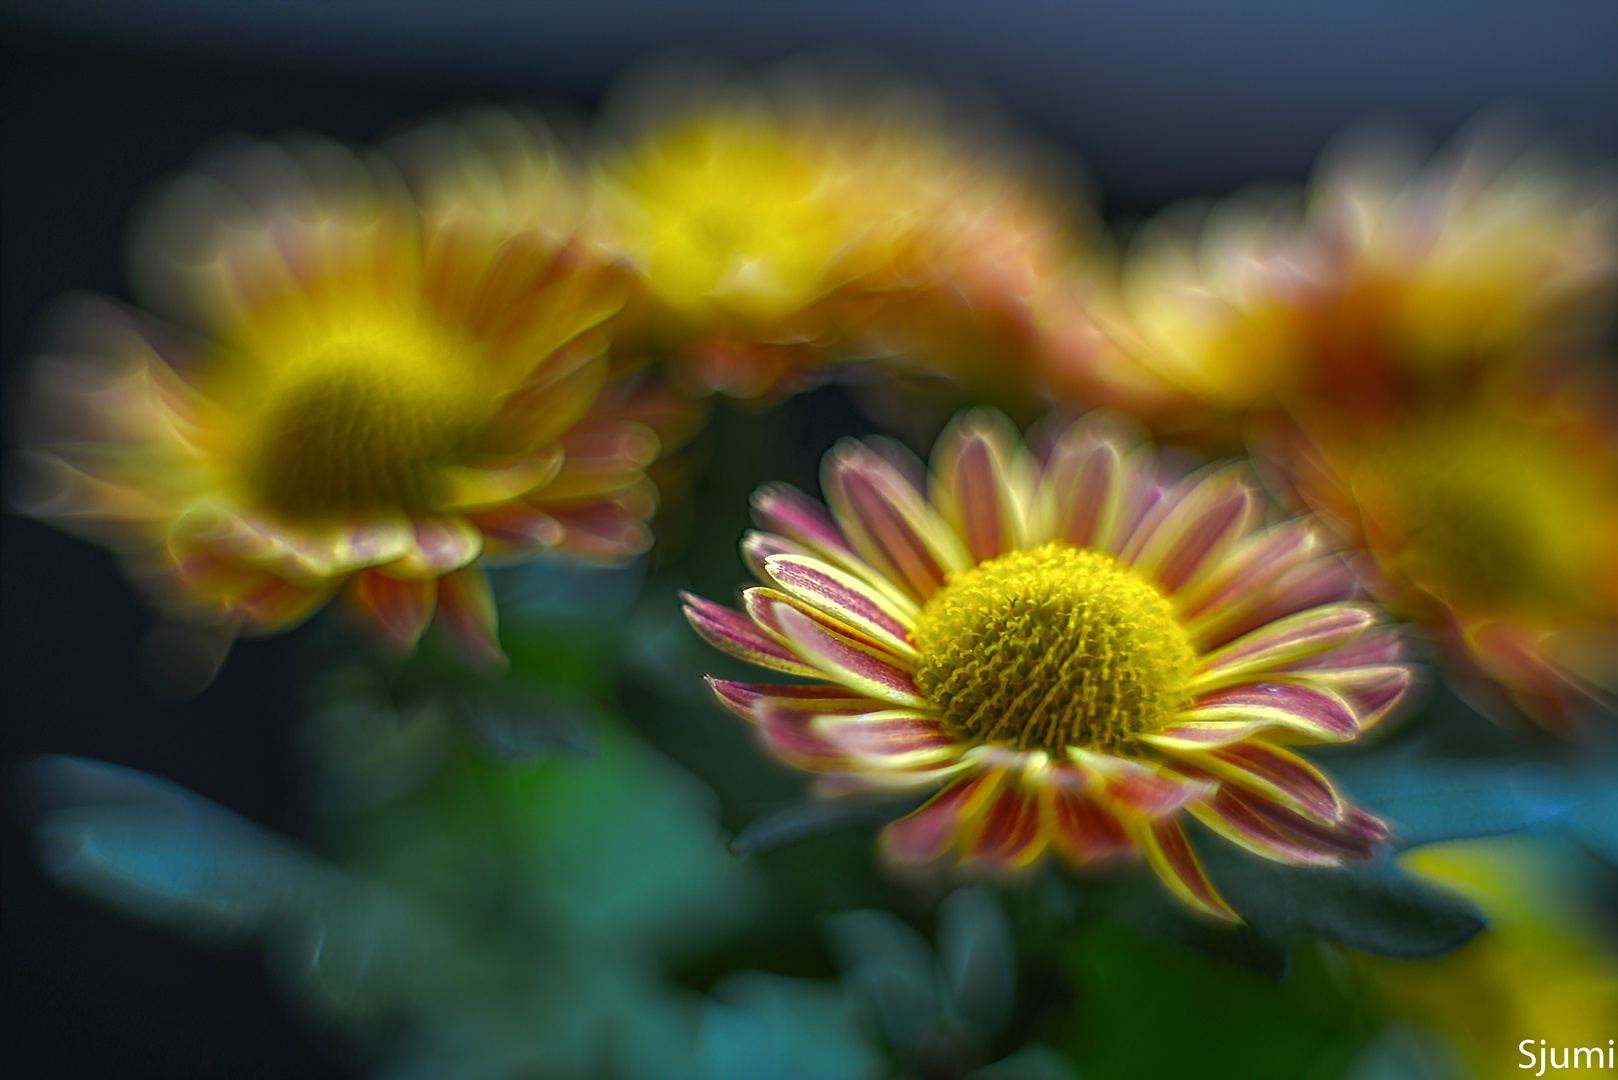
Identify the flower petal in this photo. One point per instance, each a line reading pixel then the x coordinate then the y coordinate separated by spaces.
pixel 1081 829
pixel 1277 833
pixel 1134 789
pixel 838 659
pixel 1007 832
pixel 1196 531
pixel 516 531
pixel 764 606
pixel 442 546
pixel 757 546
pixel 790 733
pixel 1312 711
pixel 470 488
pixel 927 833
pixel 888 522
pixel 400 609
pixel 845 598
pixel 747 700
pixel 1256 560
pixel 734 633
pixel 892 739
pixel 973 488
pixel 1280 643
pixel 603 532
pixel 1275 774
pixel 1083 488
pixel 1176 864
pixel 466 611
pixel 782 508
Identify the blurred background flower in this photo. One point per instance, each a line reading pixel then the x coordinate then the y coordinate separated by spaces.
pixel 380 400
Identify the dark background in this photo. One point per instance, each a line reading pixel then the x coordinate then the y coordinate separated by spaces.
pixel 1162 99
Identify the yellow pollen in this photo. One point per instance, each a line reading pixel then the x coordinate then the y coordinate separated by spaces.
pixel 362 423
pixel 1487 513
pixel 1052 648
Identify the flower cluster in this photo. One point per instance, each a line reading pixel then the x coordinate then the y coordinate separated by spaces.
pixel 376 372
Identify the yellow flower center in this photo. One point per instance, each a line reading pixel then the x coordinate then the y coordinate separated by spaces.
pixel 1487 513
pixel 362 421
pixel 1052 648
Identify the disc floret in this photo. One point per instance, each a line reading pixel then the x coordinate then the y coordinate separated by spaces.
pixel 1052 648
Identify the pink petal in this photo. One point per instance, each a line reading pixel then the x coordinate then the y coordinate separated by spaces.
pixel 1176 864
pixel 1281 643
pixel 927 833
pixel 1313 584
pixel 1275 774
pixel 783 509
pixel 973 487
pixel 840 660
pixel 764 606
pixel 466 611
pixel 1196 530
pixel 516 530
pixel 1234 819
pixel 1082 830
pixel 1134 789
pixel 844 597
pixel 894 739
pixel 747 700
pixel 1314 711
pixel 400 609
pixel 888 522
pixel 791 735
pixel 758 546
pixel 1008 832
pixel 602 532
pixel 1256 562
pixel 1251 821
pixel 1085 489
pixel 442 546
pixel 732 632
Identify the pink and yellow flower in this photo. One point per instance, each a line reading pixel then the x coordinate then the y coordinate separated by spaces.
pixel 773 233
pixel 1077 649
pixel 371 394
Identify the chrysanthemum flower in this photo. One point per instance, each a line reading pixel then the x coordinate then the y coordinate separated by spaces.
pixel 1077 649
pixel 1490 517
pixel 1386 277
pixel 373 396
pixel 776 232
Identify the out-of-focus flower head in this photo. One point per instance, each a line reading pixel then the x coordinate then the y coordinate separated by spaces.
pixel 811 217
pixel 368 394
pixel 1490 517
pixel 1391 277
pixel 1079 649
pixel 1541 971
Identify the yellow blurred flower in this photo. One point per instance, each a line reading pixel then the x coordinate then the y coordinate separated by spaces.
pixel 1540 971
pixel 1388 278
pixel 775 232
pixel 379 396
pixel 1490 517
